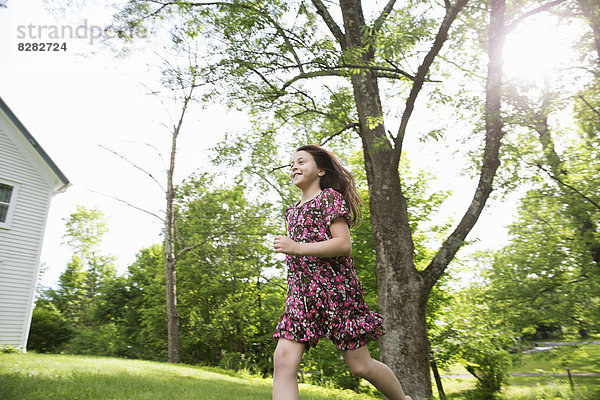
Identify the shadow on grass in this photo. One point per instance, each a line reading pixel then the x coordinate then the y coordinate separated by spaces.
pixel 127 386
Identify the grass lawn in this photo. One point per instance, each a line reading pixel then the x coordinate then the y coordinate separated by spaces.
pixel 579 359
pixel 43 376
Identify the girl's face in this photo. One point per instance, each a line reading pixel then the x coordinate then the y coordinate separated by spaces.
pixel 304 171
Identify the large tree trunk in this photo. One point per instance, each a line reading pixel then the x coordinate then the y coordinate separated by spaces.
pixel 402 290
pixel 402 297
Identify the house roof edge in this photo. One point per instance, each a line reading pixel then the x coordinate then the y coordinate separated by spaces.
pixel 38 148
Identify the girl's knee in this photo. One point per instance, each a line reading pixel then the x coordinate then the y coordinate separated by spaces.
pixel 360 362
pixel 281 358
pixel 286 358
pixel 360 369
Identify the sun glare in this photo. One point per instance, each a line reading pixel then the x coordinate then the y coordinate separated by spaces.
pixel 536 47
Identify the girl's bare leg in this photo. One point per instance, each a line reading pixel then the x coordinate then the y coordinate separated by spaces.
pixel 380 375
pixel 286 361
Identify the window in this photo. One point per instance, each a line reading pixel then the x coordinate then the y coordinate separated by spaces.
pixel 8 194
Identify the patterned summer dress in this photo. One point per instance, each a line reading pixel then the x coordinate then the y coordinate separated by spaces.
pixel 324 295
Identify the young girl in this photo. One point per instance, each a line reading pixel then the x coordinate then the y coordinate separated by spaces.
pixel 324 295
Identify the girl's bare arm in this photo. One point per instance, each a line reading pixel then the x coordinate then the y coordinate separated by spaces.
pixel 340 243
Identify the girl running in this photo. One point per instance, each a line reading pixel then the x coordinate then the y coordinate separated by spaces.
pixel 324 295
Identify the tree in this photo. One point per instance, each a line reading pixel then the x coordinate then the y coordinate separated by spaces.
pixel 88 269
pixel 174 346
pixel 230 290
pixel 65 318
pixel 479 337
pixel 555 246
pixel 403 291
pixel 180 79
pixel 143 319
pixel 553 250
pixel 272 51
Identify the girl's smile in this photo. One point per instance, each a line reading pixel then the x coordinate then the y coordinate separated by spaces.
pixel 305 172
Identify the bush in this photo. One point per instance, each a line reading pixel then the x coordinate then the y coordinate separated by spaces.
pixel 234 360
pixel 49 330
pixel 103 340
pixel 9 350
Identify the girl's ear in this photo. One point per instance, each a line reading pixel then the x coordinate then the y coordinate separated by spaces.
pixel 321 173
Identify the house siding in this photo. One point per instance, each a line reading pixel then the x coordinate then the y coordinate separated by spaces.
pixel 21 243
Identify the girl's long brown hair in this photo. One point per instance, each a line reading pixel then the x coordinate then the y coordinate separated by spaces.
pixel 336 177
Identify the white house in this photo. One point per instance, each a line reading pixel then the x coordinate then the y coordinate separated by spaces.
pixel 28 180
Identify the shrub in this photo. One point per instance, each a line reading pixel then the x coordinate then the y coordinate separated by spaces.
pixel 9 350
pixel 102 340
pixel 49 330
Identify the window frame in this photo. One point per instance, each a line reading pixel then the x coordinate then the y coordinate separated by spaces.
pixel 11 204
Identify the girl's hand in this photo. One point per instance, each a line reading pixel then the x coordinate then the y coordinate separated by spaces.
pixel 283 244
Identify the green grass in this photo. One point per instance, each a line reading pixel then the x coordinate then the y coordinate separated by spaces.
pixel 43 376
pixel 37 376
pixel 579 359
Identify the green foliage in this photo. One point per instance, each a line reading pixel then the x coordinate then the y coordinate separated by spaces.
pixel 64 319
pixel 478 336
pixel 139 308
pixel 9 350
pixel 325 366
pixel 84 230
pixel 228 290
pixel 101 340
pixel 70 298
pixel 49 328
pixel 230 293
pixel 88 269
pixel 553 264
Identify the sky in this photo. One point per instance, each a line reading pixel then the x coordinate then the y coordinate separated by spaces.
pixel 79 99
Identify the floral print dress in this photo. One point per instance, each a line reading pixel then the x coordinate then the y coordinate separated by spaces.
pixel 324 295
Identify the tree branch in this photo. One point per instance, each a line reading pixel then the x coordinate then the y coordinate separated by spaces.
pixel 341 70
pixel 383 16
pixel 345 128
pixel 349 126
pixel 333 27
pixel 568 186
pixel 313 74
pixel 490 163
pixel 134 165
pixel 544 7
pixel 189 248
pixel 422 72
pixel 589 105
pixel 377 68
pixel 128 204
